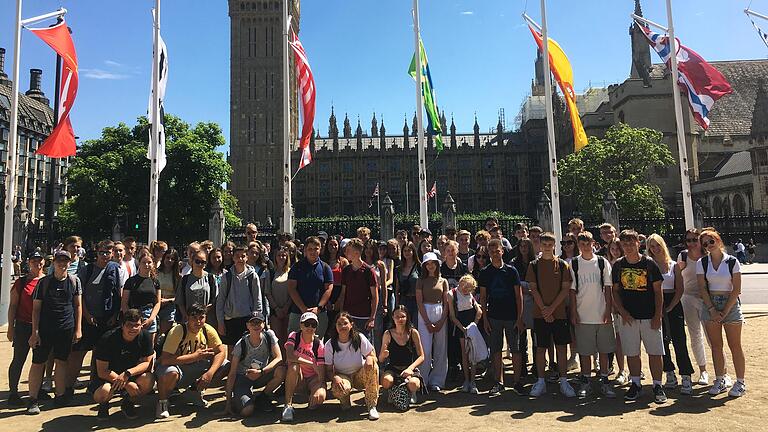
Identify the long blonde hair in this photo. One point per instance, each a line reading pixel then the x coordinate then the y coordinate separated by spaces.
pixel 665 259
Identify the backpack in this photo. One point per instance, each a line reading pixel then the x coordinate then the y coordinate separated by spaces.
pixel 161 340
pixel 229 277
pixel 244 346
pixel 456 300
pixel 535 265
pixel 731 261
pixel 399 396
pixel 46 281
pixel 296 339
pixel 575 267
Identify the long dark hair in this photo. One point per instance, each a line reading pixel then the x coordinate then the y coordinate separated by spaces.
pixel 354 334
pixel 403 309
pixel 697 233
pixel 174 254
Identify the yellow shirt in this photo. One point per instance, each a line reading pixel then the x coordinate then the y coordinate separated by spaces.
pixel 205 338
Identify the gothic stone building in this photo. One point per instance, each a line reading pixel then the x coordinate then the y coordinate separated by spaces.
pixel 34 125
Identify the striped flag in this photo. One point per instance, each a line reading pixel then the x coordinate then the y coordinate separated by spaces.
pixel 434 127
pixel 307 93
pixel 373 195
pixel 159 142
pixel 762 34
pixel 432 192
pixel 702 83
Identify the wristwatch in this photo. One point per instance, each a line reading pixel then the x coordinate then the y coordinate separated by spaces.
pixel 128 372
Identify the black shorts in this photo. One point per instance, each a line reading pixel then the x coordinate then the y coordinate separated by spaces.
pixel 558 331
pixel 58 341
pixel 235 328
pixel 91 335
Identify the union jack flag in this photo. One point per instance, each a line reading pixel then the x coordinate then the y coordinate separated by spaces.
pixel 373 195
pixel 432 192
pixel 762 34
pixel 307 92
pixel 702 83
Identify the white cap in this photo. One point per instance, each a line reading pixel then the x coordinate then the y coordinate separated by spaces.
pixel 430 256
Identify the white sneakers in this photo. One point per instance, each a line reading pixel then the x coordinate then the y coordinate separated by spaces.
pixel 687 387
pixel 622 378
pixel 373 414
pixel 161 411
pixel 566 389
pixel 539 388
pixel 703 378
pixel 718 387
pixel 671 381
pixel 288 414
pixel 738 389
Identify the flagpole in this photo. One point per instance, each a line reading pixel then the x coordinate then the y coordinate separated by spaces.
pixel 154 173
pixel 378 203
pixel 287 200
pixel 10 175
pixel 423 212
pixel 685 179
pixel 407 199
pixel 759 15
pixel 555 189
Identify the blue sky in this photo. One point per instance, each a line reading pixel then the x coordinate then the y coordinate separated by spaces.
pixel 480 52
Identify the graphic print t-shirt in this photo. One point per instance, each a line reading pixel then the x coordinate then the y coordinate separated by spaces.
pixel 636 285
pixel 304 350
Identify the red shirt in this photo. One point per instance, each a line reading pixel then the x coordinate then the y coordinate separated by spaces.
pixel 25 287
pixel 357 296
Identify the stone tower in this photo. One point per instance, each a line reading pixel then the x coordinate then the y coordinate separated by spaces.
pixel 256 113
pixel 641 51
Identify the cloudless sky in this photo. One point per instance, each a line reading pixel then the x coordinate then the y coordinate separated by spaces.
pixel 480 53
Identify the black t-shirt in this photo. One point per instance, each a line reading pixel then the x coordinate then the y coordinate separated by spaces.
pixel 143 291
pixel 636 285
pixel 58 297
pixel 452 275
pixel 500 285
pixel 464 257
pixel 121 354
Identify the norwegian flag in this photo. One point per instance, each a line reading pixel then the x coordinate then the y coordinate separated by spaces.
pixel 432 192
pixel 702 83
pixel 307 93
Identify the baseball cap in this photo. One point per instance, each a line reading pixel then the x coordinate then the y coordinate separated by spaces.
pixel 425 232
pixel 323 235
pixel 256 315
pixel 36 254
pixel 62 254
pixel 306 316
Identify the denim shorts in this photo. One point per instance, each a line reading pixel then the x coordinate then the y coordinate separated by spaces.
pixel 719 301
pixel 146 311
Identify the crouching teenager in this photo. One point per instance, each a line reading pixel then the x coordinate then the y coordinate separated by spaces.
pixel 305 354
pixel 256 363
pixel 123 358
pixel 191 357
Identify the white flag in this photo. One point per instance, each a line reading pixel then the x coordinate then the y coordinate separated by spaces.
pixel 159 141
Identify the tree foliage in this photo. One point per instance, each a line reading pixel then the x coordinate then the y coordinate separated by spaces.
pixel 621 162
pixel 109 179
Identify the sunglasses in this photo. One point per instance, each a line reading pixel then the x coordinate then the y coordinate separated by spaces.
pixel 691 240
pixel 105 253
pixel 311 324
pixel 708 243
pixel 567 242
pixel 200 262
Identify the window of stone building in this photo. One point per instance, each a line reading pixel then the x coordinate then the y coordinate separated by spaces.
pixel 489 183
pixel 394 165
pixel 372 165
pixel 513 181
pixel 487 163
pixel 466 183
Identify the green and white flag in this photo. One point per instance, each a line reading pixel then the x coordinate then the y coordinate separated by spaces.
pixel 428 96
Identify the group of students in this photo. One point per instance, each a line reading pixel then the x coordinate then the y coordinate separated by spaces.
pixel 294 319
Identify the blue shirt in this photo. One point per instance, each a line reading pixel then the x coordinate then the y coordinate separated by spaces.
pixel 311 280
pixel 500 285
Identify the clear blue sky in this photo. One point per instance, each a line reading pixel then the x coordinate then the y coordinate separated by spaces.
pixel 481 54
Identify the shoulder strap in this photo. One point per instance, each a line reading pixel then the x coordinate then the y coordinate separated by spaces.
pixel 601 261
pixel 243 346
pixel 731 264
pixel 575 267
pixel 705 266
pixel 535 267
pixel 250 288
pixel 214 288
pixel 183 290
pixel 684 255
pixel 228 276
pixel 316 347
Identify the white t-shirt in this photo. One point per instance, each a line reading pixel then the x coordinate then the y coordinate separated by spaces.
pixel 739 247
pixel 720 279
pixel 668 284
pixel 590 299
pixel 347 361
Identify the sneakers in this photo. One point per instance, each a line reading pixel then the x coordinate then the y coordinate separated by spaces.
pixel 80 385
pixel 572 364
pixel 129 409
pixel 633 392
pixel 14 401
pixel 373 414
pixel 658 394
pixel 518 388
pixel 415 398
pixel 738 389
pixel 196 398
pixel 161 411
pixel 584 386
pixel 103 413
pixel 566 389
pixel 288 414
pixel 703 378
pixel 622 378
pixel 47 385
pixel 497 389
pixel 606 390
pixel 435 388
pixel 473 388
pixel 465 387
pixel 718 387
pixel 727 381
pixel 671 381
pixel 33 408
pixel 687 387
pixel 269 402
pixel 539 388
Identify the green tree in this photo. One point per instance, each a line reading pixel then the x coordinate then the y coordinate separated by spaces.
pixel 109 178
pixel 620 162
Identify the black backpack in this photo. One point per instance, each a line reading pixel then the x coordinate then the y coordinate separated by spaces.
pixel 731 261
pixel 270 340
pixel 161 340
pixel 315 343
pixel 575 267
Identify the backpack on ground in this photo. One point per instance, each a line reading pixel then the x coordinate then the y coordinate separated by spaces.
pixel 575 266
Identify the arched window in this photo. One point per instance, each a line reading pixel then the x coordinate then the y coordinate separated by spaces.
pixel 739 206
pixel 717 205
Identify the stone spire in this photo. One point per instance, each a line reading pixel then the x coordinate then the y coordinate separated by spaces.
pixel 641 51
pixel 759 127
pixel 453 132
pixel 414 126
pixel 374 126
pixel 333 127
pixel 537 86
pixel 443 123
pixel 476 129
pixel 406 132
pixel 347 127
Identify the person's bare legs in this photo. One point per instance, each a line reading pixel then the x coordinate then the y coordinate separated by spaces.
pixel 36 372
pixel 733 334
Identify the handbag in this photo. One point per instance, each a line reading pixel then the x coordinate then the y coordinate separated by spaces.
pixel 400 397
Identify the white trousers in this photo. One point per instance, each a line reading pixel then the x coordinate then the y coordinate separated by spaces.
pixel 435 345
pixel 692 307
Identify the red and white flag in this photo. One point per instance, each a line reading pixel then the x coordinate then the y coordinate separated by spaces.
pixel 373 195
pixel 432 192
pixel 307 92
pixel 61 142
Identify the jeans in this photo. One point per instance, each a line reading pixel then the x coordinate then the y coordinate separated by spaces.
pixel 22 332
pixel 673 326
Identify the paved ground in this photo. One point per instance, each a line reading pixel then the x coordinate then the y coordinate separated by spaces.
pixel 754 284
